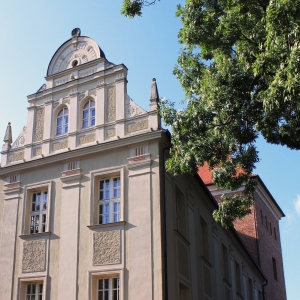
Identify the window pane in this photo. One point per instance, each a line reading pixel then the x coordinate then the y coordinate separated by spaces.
pixel 85 114
pixel 116 283
pixel 106 295
pixel 85 124
pixel 45 204
pixel 28 288
pixel 59 121
pixel 93 112
pixel 100 295
pixel 115 295
pixel 92 103
pixel 59 130
pixel 107 184
pixel 93 122
pixel 38 202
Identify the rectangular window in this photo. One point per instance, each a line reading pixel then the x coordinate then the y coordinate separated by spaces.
pixel 204 239
pixel 250 289
pixel 13 179
pixel 109 200
pixel 71 166
pixel 34 291
pixel 38 212
pixel 180 212
pixel 139 151
pixel 238 278
pixel 274 268
pixel 225 262
pixel 183 292
pixel 108 289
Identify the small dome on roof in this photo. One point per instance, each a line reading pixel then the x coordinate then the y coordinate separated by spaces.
pixel 75 51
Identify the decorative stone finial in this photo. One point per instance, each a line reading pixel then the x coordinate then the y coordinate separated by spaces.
pixel 76 32
pixel 154 92
pixel 8 135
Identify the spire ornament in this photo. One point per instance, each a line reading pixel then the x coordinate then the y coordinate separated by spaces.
pixel 8 135
pixel 154 92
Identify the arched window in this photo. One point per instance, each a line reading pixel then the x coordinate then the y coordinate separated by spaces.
pixel 62 121
pixel 88 117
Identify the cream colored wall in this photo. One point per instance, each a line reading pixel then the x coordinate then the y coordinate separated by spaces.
pixel 67 270
pixel 198 203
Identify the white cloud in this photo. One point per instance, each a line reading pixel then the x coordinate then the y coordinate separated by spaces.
pixel 297 205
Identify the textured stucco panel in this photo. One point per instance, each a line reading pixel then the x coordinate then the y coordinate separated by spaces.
pixel 39 125
pixel 106 247
pixel 34 256
pixel 16 156
pixel 111 104
pixel 137 126
pixel 88 138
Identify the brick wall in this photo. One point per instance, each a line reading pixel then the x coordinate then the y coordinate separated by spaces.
pixel 269 248
pixel 262 245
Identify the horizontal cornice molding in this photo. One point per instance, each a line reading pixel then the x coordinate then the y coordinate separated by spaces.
pixel 79 152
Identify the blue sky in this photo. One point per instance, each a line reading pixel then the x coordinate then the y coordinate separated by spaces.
pixel 30 33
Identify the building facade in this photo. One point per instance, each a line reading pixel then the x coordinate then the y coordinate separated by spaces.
pixel 87 210
pixel 260 234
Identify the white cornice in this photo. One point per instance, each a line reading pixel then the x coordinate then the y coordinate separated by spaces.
pixel 77 153
pixel 263 194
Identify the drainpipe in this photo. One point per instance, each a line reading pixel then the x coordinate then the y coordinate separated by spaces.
pixel 263 289
pixel 164 223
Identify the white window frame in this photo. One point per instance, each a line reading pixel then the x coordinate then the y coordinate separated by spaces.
pixel 40 214
pixel 38 291
pixel 29 191
pixel 139 150
pixel 96 177
pixel 38 281
pixel 109 290
pixel 89 116
pixel 95 276
pixel 107 199
pixel 64 124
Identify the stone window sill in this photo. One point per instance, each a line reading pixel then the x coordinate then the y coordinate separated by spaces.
pixel 28 236
pixel 106 225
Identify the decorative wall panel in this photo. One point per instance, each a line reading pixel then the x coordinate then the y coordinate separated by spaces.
pixel 60 145
pixel 111 104
pixel 110 133
pixel 140 125
pixel 16 156
pixel 37 151
pixel 88 138
pixel 39 125
pixel 106 247
pixel 34 256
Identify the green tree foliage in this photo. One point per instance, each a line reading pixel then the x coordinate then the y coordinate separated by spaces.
pixel 240 70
